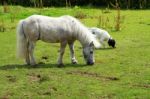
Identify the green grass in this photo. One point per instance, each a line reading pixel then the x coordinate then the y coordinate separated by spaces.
pixel 121 73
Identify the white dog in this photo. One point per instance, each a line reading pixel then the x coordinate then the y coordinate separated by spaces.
pixel 102 36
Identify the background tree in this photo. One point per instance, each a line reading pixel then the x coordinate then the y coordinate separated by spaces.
pixel 129 4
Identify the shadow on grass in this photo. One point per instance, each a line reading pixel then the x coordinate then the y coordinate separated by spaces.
pixel 106 48
pixel 18 66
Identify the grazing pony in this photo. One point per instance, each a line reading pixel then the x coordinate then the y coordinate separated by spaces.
pixel 64 29
pixel 102 36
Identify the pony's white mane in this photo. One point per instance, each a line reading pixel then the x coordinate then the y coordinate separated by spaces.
pixel 82 33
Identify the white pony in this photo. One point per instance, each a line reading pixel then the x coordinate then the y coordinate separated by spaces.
pixel 64 29
pixel 102 36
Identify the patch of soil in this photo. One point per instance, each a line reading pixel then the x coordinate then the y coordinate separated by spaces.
pixel 4 97
pixel 11 78
pixel 44 57
pixel 34 77
pixel 142 86
pixel 37 77
pixel 108 96
pixel 148 24
pixel 47 93
pixel 53 88
pixel 88 74
pixel 7 95
pixel 41 62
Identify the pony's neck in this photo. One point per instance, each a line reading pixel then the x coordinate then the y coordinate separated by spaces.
pixel 84 36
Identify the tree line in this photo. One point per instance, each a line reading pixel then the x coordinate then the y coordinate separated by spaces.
pixel 127 4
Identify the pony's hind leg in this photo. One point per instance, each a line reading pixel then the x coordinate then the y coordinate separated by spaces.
pixel 62 50
pixel 31 50
pixel 73 59
pixel 27 57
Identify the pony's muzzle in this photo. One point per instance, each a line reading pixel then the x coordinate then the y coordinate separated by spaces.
pixel 90 63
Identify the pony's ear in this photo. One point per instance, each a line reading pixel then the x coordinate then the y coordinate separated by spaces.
pixel 92 44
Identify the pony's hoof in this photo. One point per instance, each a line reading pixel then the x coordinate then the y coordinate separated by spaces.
pixel 33 65
pixel 60 65
pixel 75 62
pixel 27 64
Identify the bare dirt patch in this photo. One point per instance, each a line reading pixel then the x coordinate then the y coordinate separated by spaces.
pixel 141 85
pixel 11 78
pixel 95 75
pixel 37 77
pixel 7 95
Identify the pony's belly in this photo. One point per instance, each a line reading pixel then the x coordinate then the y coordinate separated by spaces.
pixel 50 39
pixel 56 37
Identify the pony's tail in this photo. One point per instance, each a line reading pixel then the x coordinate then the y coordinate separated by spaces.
pixel 21 41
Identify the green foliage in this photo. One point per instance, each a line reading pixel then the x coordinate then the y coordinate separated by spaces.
pixel 129 4
pixel 120 73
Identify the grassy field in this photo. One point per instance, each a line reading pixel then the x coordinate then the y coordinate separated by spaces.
pixel 120 73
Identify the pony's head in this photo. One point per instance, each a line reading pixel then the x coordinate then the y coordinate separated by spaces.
pixel 88 54
pixel 111 42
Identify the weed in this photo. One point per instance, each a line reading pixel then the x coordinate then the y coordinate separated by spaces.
pixel 107 10
pixel 80 15
pixel 5 7
pixel 104 22
pixel 2 25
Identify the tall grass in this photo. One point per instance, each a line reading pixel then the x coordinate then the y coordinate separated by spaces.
pixel 2 25
pixel 5 7
pixel 103 22
pixel 117 17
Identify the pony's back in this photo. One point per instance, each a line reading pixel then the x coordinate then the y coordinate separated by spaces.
pixel 55 29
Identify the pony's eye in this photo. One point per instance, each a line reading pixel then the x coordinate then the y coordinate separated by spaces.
pixel 91 52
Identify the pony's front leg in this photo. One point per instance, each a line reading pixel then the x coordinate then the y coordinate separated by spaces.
pixel 62 50
pixel 73 59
